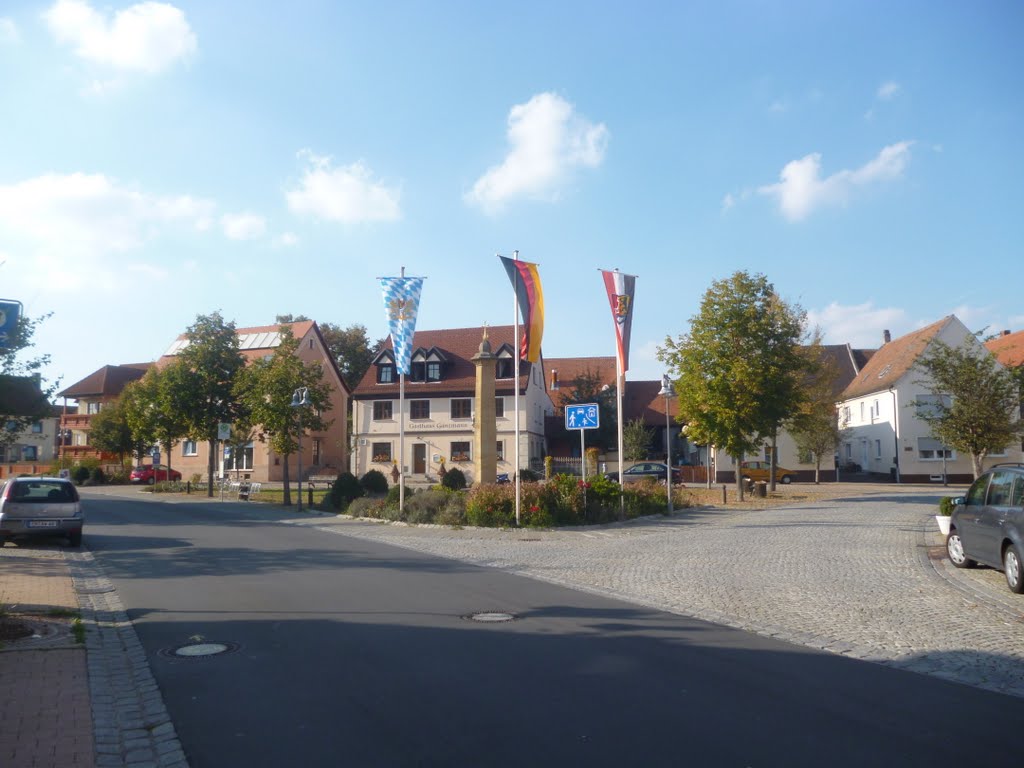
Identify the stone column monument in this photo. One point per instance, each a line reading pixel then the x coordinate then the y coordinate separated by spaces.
pixel 485 433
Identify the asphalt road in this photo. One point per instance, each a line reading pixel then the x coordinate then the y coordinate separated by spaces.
pixel 351 652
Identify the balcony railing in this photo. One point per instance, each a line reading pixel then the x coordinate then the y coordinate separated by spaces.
pixel 75 421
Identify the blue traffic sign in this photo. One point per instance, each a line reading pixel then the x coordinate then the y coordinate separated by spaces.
pixel 9 312
pixel 584 416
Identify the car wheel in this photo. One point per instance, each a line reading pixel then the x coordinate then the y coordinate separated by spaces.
pixel 75 539
pixel 955 551
pixel 1012 569
pixel 152 480
pixel 787 479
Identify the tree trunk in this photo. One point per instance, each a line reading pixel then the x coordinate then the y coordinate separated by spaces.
pixel 772 464
pixel 739 476
pixel 287 482
pixel 209 469
pixel 976 462
pixel 817 470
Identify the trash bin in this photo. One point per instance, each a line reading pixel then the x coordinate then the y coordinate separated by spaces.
pixel 761 489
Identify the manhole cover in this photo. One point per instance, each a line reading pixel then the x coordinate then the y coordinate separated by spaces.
pixel 199 650
pixel 491 617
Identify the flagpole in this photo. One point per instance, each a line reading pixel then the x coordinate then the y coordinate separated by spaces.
pixel 620 384
pixel 401 433
pixel 518 354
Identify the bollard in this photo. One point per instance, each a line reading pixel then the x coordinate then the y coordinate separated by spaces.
pixel 188 486
pixel 724 500
pixel 309 495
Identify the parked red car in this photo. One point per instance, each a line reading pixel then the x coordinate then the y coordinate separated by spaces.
pixel 148 474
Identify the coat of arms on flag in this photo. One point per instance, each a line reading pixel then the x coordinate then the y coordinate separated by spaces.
pixel 621 288
pixel 401 304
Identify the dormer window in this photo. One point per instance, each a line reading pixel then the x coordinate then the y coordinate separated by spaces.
pixel 385 373
pixel 505 366
pixel 418 372
pixel 434 370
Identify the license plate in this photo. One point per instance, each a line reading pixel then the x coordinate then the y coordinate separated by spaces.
pixel 42 523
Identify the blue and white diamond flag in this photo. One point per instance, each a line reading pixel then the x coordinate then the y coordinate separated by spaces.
pixel 401 304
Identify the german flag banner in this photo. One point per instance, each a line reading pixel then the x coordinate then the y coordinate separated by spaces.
pixel 530 298
pixel 620 288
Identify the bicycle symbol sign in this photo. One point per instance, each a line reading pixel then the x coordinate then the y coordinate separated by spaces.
pixel 583 416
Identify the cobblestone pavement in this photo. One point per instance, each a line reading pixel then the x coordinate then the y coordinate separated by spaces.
pixel 863 577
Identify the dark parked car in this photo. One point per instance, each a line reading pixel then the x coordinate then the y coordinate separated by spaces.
pixel 987 525
pixel 149 474
pixel 646 470
pixel 40 506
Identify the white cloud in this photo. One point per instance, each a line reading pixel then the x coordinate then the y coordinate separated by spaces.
pixel 801 189
pixel 8 31
pixel 548 141
pixel 860 325
pixel 348 194
pixel 888 91
pixel 147 37
pixel 286 240
pixel 75 229
pixel 243 226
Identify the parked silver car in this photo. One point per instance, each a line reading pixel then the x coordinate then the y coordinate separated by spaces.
pixel 987 525
pixel 40 506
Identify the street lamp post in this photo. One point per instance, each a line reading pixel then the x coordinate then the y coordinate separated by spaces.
pixel 300 399
pixel 668 392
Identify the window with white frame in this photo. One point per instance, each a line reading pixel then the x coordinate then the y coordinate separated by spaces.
pixel 29 453
pixel 433 370
pixel 462 408
pixel 93 408
pixel 930 449
pixel 380 452
pixel 862 412
pixel 37 427
pixel 846 414
pixel 878 449
pixel 240 458
pixel 499 407
pixel 878 410
pixel 419 409
pixel 460 451
pixel 189 448
pixel 317 447
pixel 385 373
pixel 501 450
pixel 382 410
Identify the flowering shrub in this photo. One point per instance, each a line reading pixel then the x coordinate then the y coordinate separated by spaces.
pixel 491 506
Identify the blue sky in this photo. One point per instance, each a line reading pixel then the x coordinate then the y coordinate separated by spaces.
pixel 162 161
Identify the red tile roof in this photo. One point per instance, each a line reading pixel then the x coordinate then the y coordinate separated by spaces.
pixel 458 345
pixel 890 363
pixel 572 368
pixel 108 380
pixel 1008 348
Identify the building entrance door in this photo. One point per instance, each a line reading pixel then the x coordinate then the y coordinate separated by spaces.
pixel 419 458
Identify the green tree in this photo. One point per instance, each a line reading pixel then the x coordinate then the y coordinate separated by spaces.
pixel 636 440
pixel 974 406
pixel 739 369
pixel 24 394
pixel 211 362
pixel 266 388
pixel 157 407
pixel 110 431
pixel 815 427
pixel 351 349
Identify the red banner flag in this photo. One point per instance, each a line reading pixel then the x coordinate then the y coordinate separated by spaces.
pixel 621 288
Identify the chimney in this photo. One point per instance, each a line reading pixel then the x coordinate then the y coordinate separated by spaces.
pixel 886 336
pixel 554 378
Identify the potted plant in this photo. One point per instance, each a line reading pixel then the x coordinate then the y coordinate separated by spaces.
pixel 946 504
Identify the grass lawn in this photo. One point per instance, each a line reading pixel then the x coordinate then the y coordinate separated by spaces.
pixel 276 495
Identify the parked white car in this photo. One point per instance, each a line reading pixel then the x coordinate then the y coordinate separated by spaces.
pixel 40 506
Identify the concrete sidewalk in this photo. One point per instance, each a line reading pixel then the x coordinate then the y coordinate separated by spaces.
pixel 64 703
